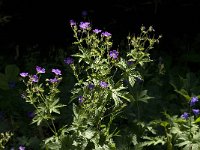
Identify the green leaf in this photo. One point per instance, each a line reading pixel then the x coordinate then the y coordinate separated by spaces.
pixel 184 93
pixel 131 80
pixel 134 140
pixel 126 96
pixel 143 96
pixel 164 123
pixel 122 64
pixel 183 143
pixel 197 120
pixel 37 119
pixel 115 98
pixel 53 143
pixel 89 133
pixel 75 110
pixel 53 107
pixel 154 140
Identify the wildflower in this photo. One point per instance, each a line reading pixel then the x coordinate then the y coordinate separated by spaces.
pixel 40 69
pixel 72 22
pixel 103 84
pixel 106 34
pixel 30 114
pixel 80 99
pixel 91 86
pixel 56 71
pixel 21 148
pixel 96 31
pixel 114 54
pixel 69 60
pixel 53 80
pixel 196 111
pixel 84 25
pixel 185 115
pixel 24 74
pixel 193 101
pixel 34 78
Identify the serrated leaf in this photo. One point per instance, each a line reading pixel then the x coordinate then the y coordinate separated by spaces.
pixel 53 107
pixel 131 80
pixel 115 98
pixel 74 111
pixel 126 96
pixel 89 134
pixel 53 143
pixel 183 143
pixel 134 140
pixel 143 96
pixel 121 64
pixel 164 123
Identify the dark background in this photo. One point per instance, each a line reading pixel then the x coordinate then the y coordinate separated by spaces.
pixel 46 23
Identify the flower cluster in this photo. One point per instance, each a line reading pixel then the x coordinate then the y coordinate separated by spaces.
pixel 85 27
pixel 35 78
pixel 114 54
pixel 196 112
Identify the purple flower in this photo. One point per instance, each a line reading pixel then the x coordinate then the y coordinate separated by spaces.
pixel 196 111
pixel 96 31
pixel 53 80
pixel 34 78
pixel 24 74
pixel 56 71
pixel 80 99
pixel 31 114
pixel 84 25
pixel 106 34
pixel 22 148
pixel 114 54
pixel 103 84
pixel 91 86
pixel 185 115
pixel 69 60
pixel 72 22
pixel 193 101
pixel 40 69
